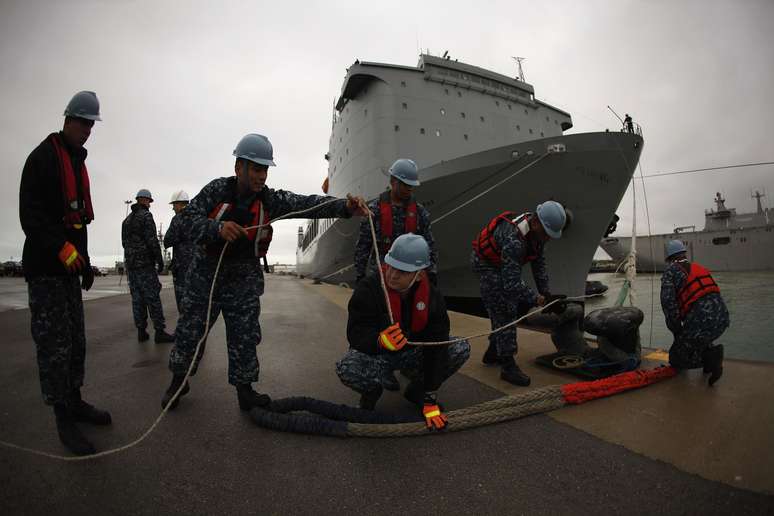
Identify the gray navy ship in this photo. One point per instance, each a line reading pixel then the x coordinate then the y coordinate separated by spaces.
pixel 730 241
pixel 484 144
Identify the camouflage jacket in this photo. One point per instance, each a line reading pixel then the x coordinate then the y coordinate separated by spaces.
pixel 512 251
pixel 138 236
pixel 205 230
pixel 672 281
pixel 364 246
pixel 178 237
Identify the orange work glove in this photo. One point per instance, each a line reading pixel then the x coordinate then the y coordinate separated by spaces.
pixel 70 258
pixel 392 338
pixel 434 418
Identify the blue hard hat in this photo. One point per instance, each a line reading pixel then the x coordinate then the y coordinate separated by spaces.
pixel 405 171
pixel 84 104
pixel 144 193
pixel 256 148
pixel 409 253
pixel 674 247
pixel 552 216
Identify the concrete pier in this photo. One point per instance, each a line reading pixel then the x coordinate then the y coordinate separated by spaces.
pixel 674 447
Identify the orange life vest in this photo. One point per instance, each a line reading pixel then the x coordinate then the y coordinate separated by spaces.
pixel 486 246
pixel 385 212
pixel 420 304
pixel 261 238
pixel 698 284
pixel 77 212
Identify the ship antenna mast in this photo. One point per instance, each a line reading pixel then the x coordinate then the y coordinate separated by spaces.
pixel 757 196
pixel 521 71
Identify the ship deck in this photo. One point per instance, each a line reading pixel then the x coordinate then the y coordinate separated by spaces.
pixel 674 447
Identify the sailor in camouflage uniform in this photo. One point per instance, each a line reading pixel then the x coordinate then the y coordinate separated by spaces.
pixel 142 254
pixel 394 213
pixel 178 237
pixel 695 313
pixel 54 209
pixel 219 214
pixel 500 251
pixel 378 347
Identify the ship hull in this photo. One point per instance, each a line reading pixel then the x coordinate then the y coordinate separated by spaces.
pixel 590 177
pixel 732 250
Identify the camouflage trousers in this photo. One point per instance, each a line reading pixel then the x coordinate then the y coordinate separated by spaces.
pixel 178 280
pixel 501 311
pixel 56 312
pixel 145 287
pixel 706 321
pixel 362 372
pixel 237 294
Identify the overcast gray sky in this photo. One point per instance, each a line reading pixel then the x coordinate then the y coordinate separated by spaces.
pixel 181 82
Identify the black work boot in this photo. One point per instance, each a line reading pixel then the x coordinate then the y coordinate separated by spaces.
pixel 142 335
pixel 414 393
pixel 248 398
pixel 368 399
pixel 162 337
pixel 512 374
pixel 87 413
pixel 177 381
pixel 389 382
pixel 490 356
pixel 713 363
pixel 69 434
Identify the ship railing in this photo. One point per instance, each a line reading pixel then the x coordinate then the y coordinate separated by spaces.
pixel 635 129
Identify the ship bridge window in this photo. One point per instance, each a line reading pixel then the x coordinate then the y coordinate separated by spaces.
pixel 721 241
pixel 443 112
pixel 421 130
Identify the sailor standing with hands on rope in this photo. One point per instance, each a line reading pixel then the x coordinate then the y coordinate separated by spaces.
pixel 378 345
pixel 219 214
pixel 500 251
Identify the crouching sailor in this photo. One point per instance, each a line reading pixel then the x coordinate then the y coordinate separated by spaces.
pixel 219 214
pixel 695 313
pixel 500 251
pixel 378 347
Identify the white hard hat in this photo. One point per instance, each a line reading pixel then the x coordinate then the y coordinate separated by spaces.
pixel 179 196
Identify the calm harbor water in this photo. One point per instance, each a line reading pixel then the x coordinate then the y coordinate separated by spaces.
pixel 748 295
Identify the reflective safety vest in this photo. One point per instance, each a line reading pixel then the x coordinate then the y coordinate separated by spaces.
pixel 259 238
pixel 486 246
pixel 420 303
pixel 385 212
pixel 698 284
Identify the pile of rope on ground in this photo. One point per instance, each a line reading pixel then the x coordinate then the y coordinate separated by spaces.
pixel 334 420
